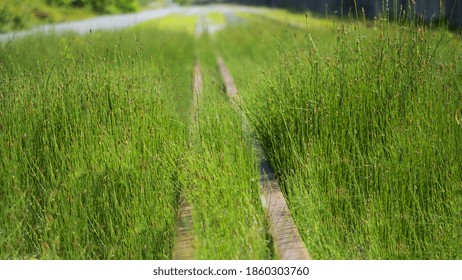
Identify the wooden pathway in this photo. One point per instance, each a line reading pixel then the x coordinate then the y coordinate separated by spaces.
pixel 287 240
pixel 183 248
pixel 184 241
pixel 288 244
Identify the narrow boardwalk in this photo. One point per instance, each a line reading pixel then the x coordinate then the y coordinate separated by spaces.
pixel 184 241
pixel 287 240
pixel 184 238
pixel 289 244
pixel 230 87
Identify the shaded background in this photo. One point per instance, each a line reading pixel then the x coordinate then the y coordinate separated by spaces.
pixel 427 9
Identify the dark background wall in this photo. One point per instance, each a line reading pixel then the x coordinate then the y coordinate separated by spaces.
pixel 427 9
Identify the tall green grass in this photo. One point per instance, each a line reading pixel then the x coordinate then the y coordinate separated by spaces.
pixel 221 175
pixel 91 135
pixel 361 124
pixel 362 133
pixel 98 141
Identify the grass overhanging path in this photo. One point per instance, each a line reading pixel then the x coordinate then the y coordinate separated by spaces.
pixel 284 234
pixel 184 240
pixel 360 126
pixel 286 238
pixel 109 150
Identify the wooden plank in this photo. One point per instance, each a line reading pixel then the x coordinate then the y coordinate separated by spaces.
pixel 184 238
pixel 183 248
pixel 287 239
pixel 230 87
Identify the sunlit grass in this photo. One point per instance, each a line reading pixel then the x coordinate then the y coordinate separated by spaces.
pixel 216 18
pixel 174 23
pixel 221 177
pixel 360 127
pixel 97 147
pixel 92 135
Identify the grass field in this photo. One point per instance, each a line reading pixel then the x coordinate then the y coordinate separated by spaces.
pixel 228 219
pixel 362 126
pixel 92 138
pixel 98 145
pixel 360 120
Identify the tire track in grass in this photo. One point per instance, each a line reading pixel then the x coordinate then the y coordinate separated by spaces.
pixel 184 242
pixel 287 240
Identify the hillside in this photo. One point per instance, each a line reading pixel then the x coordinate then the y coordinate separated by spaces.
pixel 20 14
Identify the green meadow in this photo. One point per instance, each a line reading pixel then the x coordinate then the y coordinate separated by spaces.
pixel 94 131
pixel 361 120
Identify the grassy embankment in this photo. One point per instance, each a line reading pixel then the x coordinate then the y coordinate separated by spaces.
pixel 363 126
pixel 22 14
